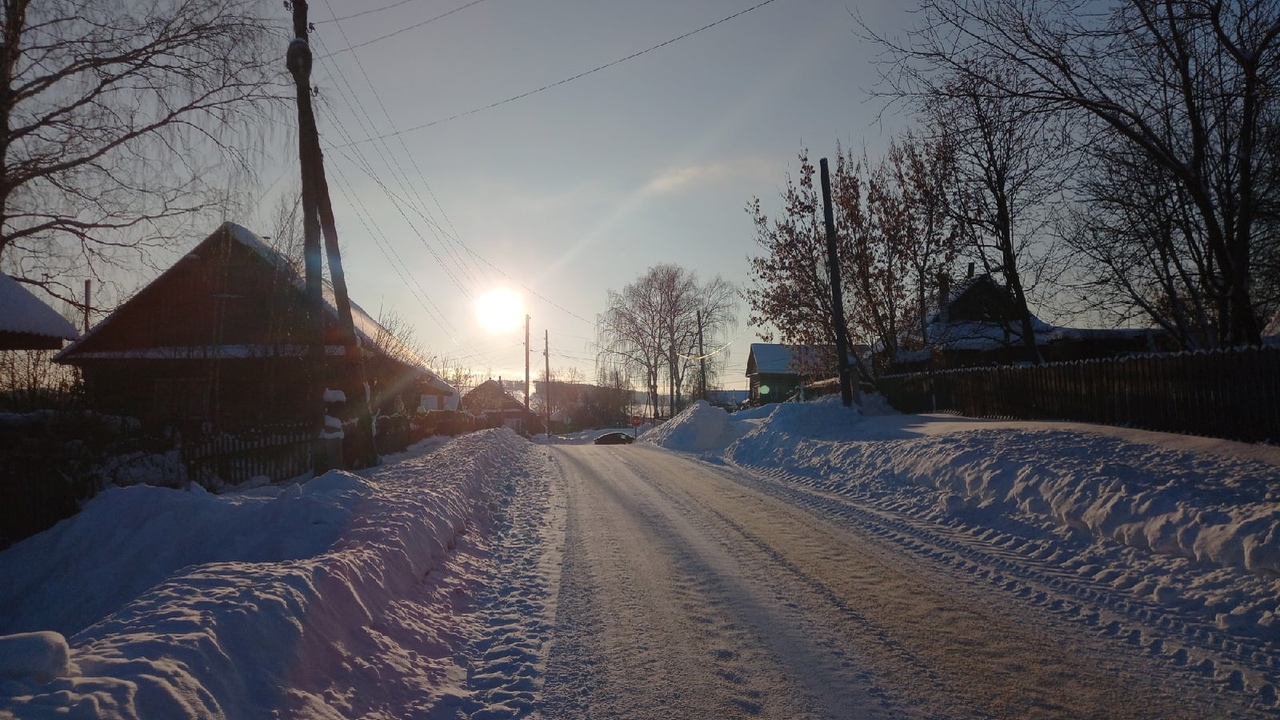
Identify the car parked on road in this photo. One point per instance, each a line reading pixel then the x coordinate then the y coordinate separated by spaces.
pixel 614 438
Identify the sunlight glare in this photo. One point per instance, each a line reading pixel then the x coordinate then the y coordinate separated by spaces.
pixel 500 310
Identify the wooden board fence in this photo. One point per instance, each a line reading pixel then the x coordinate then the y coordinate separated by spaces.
pixel 1233 394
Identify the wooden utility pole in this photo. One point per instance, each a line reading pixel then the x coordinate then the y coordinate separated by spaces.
pixel 702 356
pixel 526 363
pixel 546 358
pixel 837 297
pixel 87 285
pixel 317 217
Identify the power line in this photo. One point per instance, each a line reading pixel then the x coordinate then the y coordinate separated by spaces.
pixel 415 26
pixel 363 12
pixel 402 178
pixel 565 81
pixel 715 352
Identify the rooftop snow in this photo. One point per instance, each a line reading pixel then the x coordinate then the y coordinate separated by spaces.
pixel 22 312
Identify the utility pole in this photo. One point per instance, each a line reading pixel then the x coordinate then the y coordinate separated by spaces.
pixel 317 214
pixel 702 356
pixel 546 358
pixel 526 363
pixel 88 283
pixel 298 61
pixel 837 298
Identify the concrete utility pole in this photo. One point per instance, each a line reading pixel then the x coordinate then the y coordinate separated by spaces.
pixel 837 297
pixel 317 216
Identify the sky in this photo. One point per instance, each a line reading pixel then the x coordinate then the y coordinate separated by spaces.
pixel 445 187
pixel 339 597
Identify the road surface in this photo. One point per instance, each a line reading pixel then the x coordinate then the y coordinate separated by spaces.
pixel 691 590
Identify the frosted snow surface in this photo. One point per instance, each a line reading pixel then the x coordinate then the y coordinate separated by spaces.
pixel 1150 491
pixel 326 600
pixel 426 587
pixel 1145 509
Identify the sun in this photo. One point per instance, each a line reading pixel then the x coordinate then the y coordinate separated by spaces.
pixel 500 310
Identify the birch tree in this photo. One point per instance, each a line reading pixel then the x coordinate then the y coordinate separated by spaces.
pixel 122 124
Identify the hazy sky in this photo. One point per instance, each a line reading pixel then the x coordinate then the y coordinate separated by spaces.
pixel 577 189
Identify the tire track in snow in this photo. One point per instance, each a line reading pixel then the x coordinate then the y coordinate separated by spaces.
pixel 660 620
pixel 1041 574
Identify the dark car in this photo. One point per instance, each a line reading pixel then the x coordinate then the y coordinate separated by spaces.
pixel 614 438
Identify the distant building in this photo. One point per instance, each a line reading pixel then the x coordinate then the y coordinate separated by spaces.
pixel 499 407
pixel 728 399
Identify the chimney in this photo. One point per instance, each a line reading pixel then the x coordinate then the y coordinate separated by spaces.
pixel 944 295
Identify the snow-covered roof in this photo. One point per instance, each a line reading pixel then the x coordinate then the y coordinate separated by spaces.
pixel 23 312
pixel 972 335
pixel 773 358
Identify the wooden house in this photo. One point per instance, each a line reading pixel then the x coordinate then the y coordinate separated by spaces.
pixel 499 407
pixel 776 372
pixel 977 324
pixel 218 342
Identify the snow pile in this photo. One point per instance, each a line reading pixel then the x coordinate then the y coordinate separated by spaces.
pixel 699 427
pixel 319 600
pixel 1215 510
pixel 166 530
pixel 1152 496
pixel 41 656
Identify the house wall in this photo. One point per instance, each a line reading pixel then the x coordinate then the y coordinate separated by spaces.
pixel 781 386
pixel 192 396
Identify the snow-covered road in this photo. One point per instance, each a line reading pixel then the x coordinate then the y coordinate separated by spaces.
pixel 797 560
pixel 691 590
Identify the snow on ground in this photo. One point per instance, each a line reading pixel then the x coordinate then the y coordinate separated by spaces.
pixel 426 587
pixel 1183 521
pixel 343 597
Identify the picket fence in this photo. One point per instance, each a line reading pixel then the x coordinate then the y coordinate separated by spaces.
pixel 1232 394
pixel 278 454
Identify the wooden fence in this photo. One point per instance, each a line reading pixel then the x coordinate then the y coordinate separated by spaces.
pixel 1233 394
pixel 277 454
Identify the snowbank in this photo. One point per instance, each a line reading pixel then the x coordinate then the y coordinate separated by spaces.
pixel 1155 497
pixel 318 600
pixel 697 428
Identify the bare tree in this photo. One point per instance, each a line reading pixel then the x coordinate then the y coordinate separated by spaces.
pixel 1144 250
pixel 872 221
pixel 1008 168
pixel 628 333
pixel 792 290
pixel 1189 85
pixel 651 328
pixel 121 125
pixel 924 171
pixel 881 228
